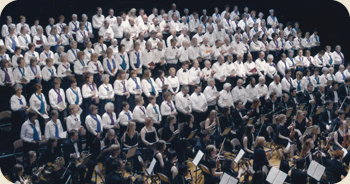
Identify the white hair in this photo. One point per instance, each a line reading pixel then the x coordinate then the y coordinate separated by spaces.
pixel 270 56
pixel 108 106
pixel 74 15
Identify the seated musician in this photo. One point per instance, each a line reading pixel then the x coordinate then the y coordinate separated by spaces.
pixel 227 167
pixel 202 141
pixel 50 154
pixel 159 156
pixel 30 163
pixel 248 141
pixel 210 162
pixel 170 166
pixel 188 128
pixel 298 174
pixel 284 165
pixel 306 151
pixel 17 176
pixel 301 122
pixel 72 149
pixel 148 133
pixel 339 142
pixel 169 129
pixel 326 117
pixel 337 121
pixel 227 121
pixel 114 154
pixel 116 176
pixel 334 167
pixel 281 132
pixel 110 139
pixel 180 177
pixel 239 114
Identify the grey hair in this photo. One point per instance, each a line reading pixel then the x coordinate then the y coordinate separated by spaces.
pixel 39 28
pixel 261 78
pixel 84 16
pixel 18 87
pixel 206 61
pixel 270 56
pixel 184 87
pixel 108 105
pixel 325 69
pixel 74 15
pixel 104 77
pixel 63 55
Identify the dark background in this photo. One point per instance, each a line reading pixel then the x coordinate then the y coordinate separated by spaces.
pixel 329 17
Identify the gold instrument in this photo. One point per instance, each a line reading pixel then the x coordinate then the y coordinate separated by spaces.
pixel 80 160
pixel 59 163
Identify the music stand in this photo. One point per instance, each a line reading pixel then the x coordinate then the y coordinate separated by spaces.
pixel 171 138
pixel 149 171
pixel 347 109
pixel 319 110
pixel 289 112
pixel 191 135
pixel 302 106
pixel 250 121
pixel 131 153
pixel 262 119
pixel 196 160
pixel 226 131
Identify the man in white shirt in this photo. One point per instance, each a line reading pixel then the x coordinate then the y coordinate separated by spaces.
pixel 106 31
pixel 220 73
pixel 153 15
pixel 240 68
pixel 276 86
pixel 183 37
pixel 175 23
pixel 172 36
pixel 338 57
pixel 118 29
pixel 111 18
pixel 260 63
pixel 128 42
pixel 219 33
pixel 194 23
pixel 239 92
pixel 225 98
pixel 261 89
pixel 211 94
pixel 132 28
pixel 199 105
pixel 183 51
pixel 237 46
pixel 183 74
pixel 144 26
pixel 183 103
pixel 97 21
pixel 173 11
pixel 172 55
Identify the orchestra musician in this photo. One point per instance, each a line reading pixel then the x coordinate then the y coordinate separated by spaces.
pixel 209 161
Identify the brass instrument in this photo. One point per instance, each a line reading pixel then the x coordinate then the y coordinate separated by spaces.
pixel 59 163
pixel 80 160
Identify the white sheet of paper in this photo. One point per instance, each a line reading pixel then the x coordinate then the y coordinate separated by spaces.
pixel 150 169
pixel 288 145
pixel 45 116
pixel 280 178
pixel 272 174
pixel 232 180
pixel 345 152
pixel 319 172
pixel 224 179
pixel 215 93
pixel 61 105
pixel 85 68
pixel 109 93
pixel 198 157
pixel 227 103
pixel 312 168
pixel 63 135
pixel 239 156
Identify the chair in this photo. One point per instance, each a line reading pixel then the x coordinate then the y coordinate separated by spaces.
pixel 98 171
pixel 5 121
pixel 17 145
pixel 163 178
pixel 275 147
pixel 235 142
pixel 160 132
pixel 205 171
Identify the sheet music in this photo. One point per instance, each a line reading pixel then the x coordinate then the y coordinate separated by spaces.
pixel 272 174
pixel 63 135
pixel 319 172
pixel 61 105
pixel 224 179
pixel 232 180
pixel 280 178
pixel 312 168
pixel 345 152
pixel 45 116
pixel 109 93
pixel 288 145
pixel 198 157
pixel 239 156
pixel 150 169
pixel 85 69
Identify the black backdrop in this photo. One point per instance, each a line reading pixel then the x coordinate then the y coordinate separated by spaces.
pixel 329 17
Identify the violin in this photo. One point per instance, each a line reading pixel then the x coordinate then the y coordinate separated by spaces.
pixel 346 141
pixel 309 124
pixel 292 130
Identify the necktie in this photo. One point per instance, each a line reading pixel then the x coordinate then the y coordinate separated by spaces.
pixel 330 59
pixel 109 66
pixel 129 117
pixel 76 96
pixel 343 76
pixel 20 101
pixel 74 53
pixel 112 120
pixel 86 27
pixel 299 86
pixel 56 42
pixel 124 89
pixel 82 63
pixel 137 59
pixel 42 105
pixel 22 72
pixel 342 58
pixel 13 43
pixel 150 82
pixel 7 76
pixel 35 133
pixel 123 65
pixel 56 132
pixel 25 39
pixel 98 128
pixel 59 97
pixel 137 85
pixel 285 65
pixel 155 110
pixel 291 60
pixel 171 107
pixel 142 110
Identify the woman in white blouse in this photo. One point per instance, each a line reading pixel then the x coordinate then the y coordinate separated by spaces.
pixel 300 61
pixel 136 58
pixel 110 65
pixel 95 67
pixel 18 105
pixel 34 74
pixel 109 118
pixel 66 38
pixel 82 36
pixel 38 103
pixel 105 93
pixel 124 116
pixel 73 120
pixel 120 90
pixel 48 73
pixel 31 53
pixel 74 94
pixel 275 47
pixel 57 98
pixel 167 107
pixel 122 58
pixel 54 39
pixel 47 53
pixel 134 88
pixel 88 51
pixel 93 123
pixel 57 56
pixel 89 92
pixel 162 84
pixel 310 62
pixel 148 86
pixel 330 74
pixel 19 73
pixel 271 69
pixel 64 71
pixel 31 133
pixel 79 65
pixel 72 52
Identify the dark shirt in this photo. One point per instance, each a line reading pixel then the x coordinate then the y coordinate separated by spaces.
pixel 298 177
pixel 259 158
